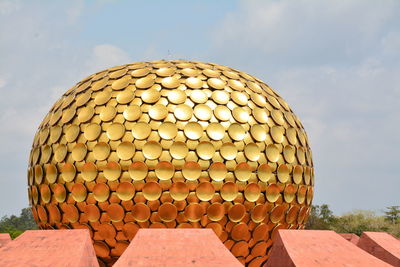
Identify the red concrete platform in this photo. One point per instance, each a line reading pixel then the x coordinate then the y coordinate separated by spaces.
pixel 50 248
pixel 382 245
pixel 177 248
pixel 350 237
pixel 309 248
pixel 4 239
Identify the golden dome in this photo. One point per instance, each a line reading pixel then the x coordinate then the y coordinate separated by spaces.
pixel 174 144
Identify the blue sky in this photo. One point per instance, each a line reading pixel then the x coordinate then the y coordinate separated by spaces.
pixel 335 62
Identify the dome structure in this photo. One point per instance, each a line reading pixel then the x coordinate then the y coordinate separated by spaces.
pixel 172 144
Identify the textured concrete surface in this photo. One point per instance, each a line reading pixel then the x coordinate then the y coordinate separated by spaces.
pixel 177 248
pixel 382 245
pixel 350 237
pixel 4 239
pixel 200 247
pixel 50 248
pixel 309 248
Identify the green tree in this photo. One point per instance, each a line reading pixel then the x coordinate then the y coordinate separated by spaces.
pixel 16 225
pixel 356 222
pixel 321 218
pixel 393 214
pixel 360 221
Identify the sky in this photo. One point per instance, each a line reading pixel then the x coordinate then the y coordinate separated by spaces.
pixel 337 64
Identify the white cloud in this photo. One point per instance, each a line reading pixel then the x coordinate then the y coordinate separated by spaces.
pixel 306 32
pixel 335 63
pixel 106 55
pixel 391 43
pixel 9 6
pixel 2 82
pixel 39 62
pixel 74 11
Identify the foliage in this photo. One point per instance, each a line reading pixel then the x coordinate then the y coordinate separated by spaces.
pixel 16 225
pixel 393 214
pixel 321 218
pixel 356 222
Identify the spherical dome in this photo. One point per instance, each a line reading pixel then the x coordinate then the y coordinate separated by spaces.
pixel 172 144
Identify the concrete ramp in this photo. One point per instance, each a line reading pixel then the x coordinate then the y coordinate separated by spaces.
pixel 350 237
pixel 177 248
pixel 48 248
pixel 309 248
pixel 4 239
pixel 382 245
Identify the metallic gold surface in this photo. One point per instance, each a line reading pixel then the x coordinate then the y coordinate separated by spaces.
pixel 172 144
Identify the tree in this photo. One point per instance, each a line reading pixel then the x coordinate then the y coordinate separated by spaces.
pixel 16 225
pixel 360 221
pixel 393 214
pixel 321 218
pixel 356 222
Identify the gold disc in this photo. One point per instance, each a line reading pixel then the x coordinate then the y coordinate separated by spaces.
pixel 215 212
pixel 68 172
pixel 164 170
pixel 178 150
pixel 205 150
pixel 158 112
pixel 115 131
pixel 216 83
pixel 79 192
pixel 229 191
pixel 132 113
pixel 217 171
pixel 205 191
pixel 243 172
pixel 252 192
pixel 141 130
pixel 228 151
pixel 89 171
pixel 167 130
pixel 191 170
pixel 194 212
pixel 138 171
pixel 152 150
pixel 101 192
pixel 112 171
pixel 92 131
pixel 125 191
pixel 101 151
pixel 264 173
pixel 179 191
pixel 183 112
pixel 236 132
pixel 252 152
pixel 215 131
pixel 71 133
pixel 126 150
pixel 272 152
pixel 151 96
pixel 151 191
pixel 222 113
pixel 167 212
pixel 79 152
pixel 108 113
pixel 177 96
pixel 193 130
pixel 203 112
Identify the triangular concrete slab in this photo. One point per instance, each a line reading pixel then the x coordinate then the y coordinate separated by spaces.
pixel 50 248
pixel 312 248
pixel 4 239
pixel 382 245
pixel 177 248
